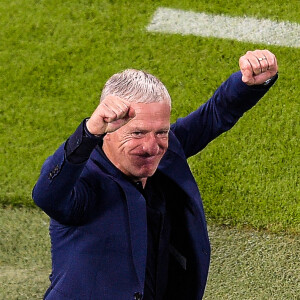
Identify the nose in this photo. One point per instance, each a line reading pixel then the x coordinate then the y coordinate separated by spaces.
pixel 150 145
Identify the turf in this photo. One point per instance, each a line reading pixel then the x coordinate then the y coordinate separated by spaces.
pixel 245 264
pixel 56 55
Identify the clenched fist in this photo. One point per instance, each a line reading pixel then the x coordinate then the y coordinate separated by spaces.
pixel 111 114
pixel 258 66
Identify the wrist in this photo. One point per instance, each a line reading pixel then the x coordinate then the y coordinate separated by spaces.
pixel 90 131
pixel 270 80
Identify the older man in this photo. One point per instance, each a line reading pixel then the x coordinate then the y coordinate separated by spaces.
pixel 127 220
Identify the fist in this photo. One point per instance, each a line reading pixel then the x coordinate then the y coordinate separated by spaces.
pixel 258 66
pixel 111 114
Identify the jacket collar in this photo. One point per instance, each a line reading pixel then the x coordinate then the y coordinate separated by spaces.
pixel 136 208
pixel 174 166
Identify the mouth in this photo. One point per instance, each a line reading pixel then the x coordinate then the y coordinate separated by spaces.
pixel 147 159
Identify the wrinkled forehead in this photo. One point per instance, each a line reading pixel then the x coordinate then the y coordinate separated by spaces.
pixel 155 114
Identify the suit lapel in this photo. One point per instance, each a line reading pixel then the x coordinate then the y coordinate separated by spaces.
pixel 136 207
pixel 176 168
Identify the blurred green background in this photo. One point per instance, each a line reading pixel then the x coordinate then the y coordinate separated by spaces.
pixel 55 57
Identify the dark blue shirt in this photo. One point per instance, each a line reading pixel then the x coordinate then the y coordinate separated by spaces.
pixel 158 232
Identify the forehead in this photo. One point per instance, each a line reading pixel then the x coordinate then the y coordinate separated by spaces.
pixel 155 114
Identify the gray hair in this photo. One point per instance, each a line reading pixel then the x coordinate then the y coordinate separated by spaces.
pixel 136 86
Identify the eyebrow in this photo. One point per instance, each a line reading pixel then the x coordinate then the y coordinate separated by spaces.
pixel 146 130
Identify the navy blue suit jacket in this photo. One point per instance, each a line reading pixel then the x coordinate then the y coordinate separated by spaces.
pixel 98 222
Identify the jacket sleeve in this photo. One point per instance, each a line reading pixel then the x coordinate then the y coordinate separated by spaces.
pixel 230 101
pixel 61 191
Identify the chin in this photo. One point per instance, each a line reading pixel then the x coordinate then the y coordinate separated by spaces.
pixel 145 173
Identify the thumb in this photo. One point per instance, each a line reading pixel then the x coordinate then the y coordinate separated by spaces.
pixel 247 76
pixel 131 113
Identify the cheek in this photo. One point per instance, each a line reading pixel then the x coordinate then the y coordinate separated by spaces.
pixel 130 146
pixel 164 145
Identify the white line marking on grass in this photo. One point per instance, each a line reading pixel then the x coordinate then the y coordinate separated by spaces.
pixel 246 29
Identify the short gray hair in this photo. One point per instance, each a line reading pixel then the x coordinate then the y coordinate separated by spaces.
pixel 136 86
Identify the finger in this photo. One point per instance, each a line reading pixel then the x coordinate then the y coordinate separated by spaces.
pixel 262 60
pixel 268 64
pixel 118 123
pixel 107 113
pixel 246 69
pixel 98 121
pixel 253 58
pixel 131 113
pixel 272 62
pixel 268 58
pixel 126 116
pixel 119 106
pixel 264 64
pixel 122 109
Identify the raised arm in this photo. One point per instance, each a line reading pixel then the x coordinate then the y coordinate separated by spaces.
pixel 240 92
pixel 61 190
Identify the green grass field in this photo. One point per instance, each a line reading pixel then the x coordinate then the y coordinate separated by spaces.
pixel 56 56
pixel 245 264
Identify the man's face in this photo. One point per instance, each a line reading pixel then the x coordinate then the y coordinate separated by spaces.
pixel 137 148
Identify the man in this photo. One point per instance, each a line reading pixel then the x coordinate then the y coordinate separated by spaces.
pixel 127 220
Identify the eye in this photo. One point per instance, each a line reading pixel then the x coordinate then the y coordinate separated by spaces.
pixel 137 133
pixel 163 133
